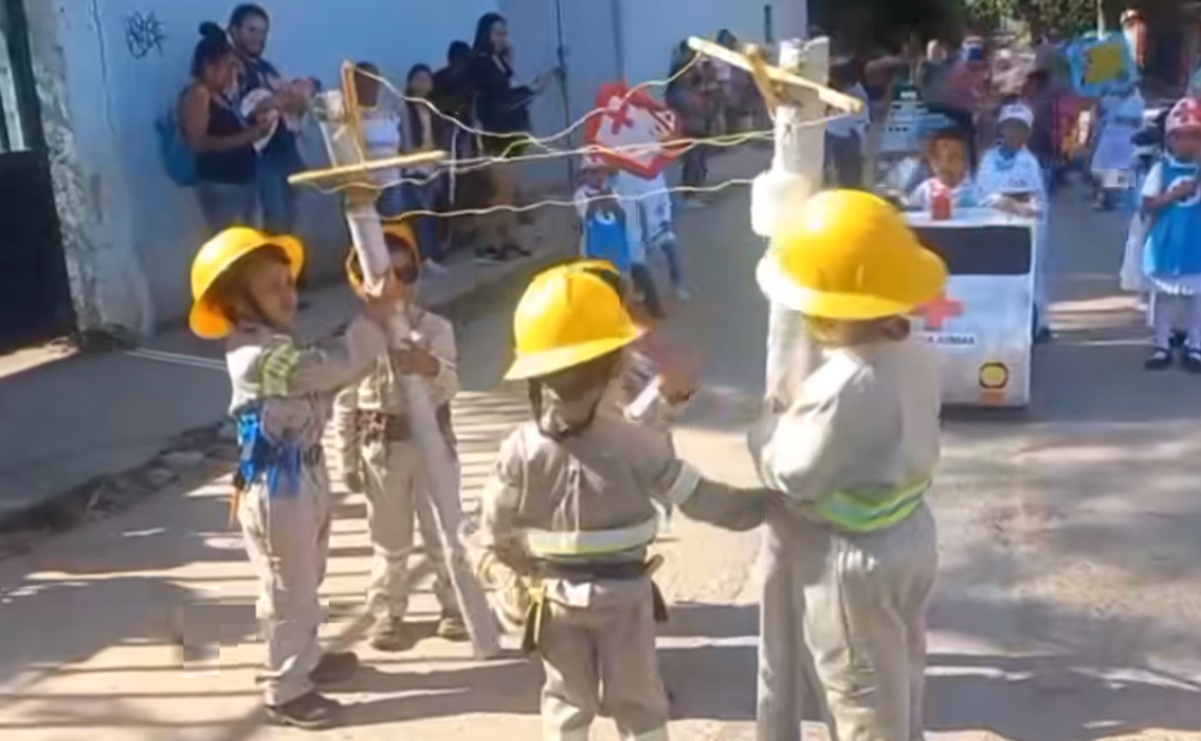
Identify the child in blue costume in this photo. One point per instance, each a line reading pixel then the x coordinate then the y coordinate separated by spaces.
pixel 1172 256
pixel 605 235
pixel 1012 180
pixel 243 289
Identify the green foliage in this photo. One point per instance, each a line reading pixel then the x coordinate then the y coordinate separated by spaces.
pixel 1069 17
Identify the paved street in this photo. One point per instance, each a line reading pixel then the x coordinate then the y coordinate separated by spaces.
pixel 1068 609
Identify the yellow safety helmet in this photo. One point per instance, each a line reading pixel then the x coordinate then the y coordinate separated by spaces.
pixel 566 317
pixel 216 258
pixel 401 232
pixel 847 254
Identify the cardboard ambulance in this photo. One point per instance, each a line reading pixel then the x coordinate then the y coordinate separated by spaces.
pixel 982 323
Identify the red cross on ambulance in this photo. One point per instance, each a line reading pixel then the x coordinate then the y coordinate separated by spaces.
pixel 938 311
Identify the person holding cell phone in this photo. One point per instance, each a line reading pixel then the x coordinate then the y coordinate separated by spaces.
pixel 503 110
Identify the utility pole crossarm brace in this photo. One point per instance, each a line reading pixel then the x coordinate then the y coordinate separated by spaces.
pixel 350 166
pixel 355 172
pixel 828 95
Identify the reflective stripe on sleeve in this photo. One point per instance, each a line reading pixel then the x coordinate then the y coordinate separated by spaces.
pixel 549 543
pixel 685 484
pixel 278 365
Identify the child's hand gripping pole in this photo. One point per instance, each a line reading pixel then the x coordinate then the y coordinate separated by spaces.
pixel 338 116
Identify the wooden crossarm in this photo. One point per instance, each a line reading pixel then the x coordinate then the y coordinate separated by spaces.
pixel 828 95
pixel 348 172
pixel 354 173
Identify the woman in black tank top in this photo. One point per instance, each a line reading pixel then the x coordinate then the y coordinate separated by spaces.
pixel 221 139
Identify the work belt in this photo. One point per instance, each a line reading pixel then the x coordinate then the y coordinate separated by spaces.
pixel 539 609
pixel 375 427
pixel 310 457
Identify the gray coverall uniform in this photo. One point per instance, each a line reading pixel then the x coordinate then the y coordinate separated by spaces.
pixel 853 450
pixel 375 438
pixel 285 511
pixel 580 513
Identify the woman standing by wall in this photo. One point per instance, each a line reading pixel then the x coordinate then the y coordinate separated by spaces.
pixel 503 110
pixel 422 133
pixel 221 140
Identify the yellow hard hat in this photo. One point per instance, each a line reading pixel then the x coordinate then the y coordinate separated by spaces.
pixel 215 259
pixel 847 254
pixel 398 230
pixel 566 317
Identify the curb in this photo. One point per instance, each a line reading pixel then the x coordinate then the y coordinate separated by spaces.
pixel 193 456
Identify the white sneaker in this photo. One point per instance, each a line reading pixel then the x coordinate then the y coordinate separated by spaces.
pixel 433 268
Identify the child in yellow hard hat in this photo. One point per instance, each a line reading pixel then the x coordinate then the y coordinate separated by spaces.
pixel 654 386
pixel 854 453
pixel 380 456
pixel 570 508
pixel 243 289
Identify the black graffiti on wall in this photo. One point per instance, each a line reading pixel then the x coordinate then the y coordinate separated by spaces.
pixel 144 33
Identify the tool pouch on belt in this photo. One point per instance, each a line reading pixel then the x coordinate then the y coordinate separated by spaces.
pixel 375 427
pixel 539 609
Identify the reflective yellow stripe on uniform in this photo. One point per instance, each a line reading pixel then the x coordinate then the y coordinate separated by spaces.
pixel 277 367
pixel 867 513
pixel 549 543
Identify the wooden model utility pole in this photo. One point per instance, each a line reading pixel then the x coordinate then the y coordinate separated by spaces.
pixel 339 114
pixel 797 97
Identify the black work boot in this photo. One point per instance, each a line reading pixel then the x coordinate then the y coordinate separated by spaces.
pixel 311 712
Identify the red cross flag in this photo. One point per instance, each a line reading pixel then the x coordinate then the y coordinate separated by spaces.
pixel 629 127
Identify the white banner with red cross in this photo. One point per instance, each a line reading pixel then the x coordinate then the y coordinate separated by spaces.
pixel 628 126
pixel 982 324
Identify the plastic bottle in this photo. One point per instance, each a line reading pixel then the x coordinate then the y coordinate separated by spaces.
pixel 940 204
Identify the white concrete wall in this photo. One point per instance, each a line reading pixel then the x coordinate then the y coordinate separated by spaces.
pixel 652 28
pixel 592 33
pixel 117 91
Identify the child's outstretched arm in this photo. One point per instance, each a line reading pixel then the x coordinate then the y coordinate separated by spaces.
pixel 289 369
pixel 325 367
pixel 729 507
pixel 675 483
